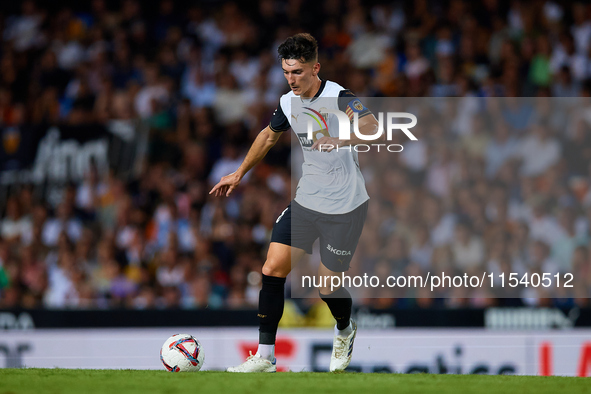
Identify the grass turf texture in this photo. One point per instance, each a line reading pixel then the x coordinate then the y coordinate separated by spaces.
pixel 17 381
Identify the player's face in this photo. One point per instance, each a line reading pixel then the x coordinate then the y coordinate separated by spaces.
pixel 300 76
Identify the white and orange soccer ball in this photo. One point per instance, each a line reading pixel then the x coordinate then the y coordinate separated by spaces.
pixel 182 353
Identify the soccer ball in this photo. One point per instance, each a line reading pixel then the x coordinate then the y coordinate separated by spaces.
pixel 182 353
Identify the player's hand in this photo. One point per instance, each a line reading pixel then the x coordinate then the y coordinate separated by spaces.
pixel 226 185
pixel 327 144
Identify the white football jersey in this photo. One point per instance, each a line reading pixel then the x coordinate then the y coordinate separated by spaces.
pixel 331 182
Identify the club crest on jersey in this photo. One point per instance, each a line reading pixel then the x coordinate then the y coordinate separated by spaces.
pixel 356 105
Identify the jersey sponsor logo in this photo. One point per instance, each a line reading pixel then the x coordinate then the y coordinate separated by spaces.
pixel 304 140
pixel 316 135
pixel 338 252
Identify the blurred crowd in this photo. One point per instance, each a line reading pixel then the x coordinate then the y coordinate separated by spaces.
pixel 494 185
pixel 500 186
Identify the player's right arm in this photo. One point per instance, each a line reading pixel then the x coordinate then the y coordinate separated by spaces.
pixel 261 145
pixel 266 139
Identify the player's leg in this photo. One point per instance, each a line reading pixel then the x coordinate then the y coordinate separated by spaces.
pixel 280 258
pixel 339 235
pixel 339 302
pixel 271 303
pixel 272 295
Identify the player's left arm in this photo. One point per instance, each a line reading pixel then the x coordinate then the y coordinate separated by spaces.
pixel 367 122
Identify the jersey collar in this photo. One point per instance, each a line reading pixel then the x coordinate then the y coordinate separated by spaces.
pixel 318 93
pixel 320 89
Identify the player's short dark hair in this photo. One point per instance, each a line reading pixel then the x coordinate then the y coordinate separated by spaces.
pixel 302 47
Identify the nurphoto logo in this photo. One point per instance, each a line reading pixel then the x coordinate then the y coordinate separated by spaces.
pixel 391 123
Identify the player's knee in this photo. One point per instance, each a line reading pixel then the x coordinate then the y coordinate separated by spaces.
pixel 324 291
pixel 329 286
pixel 275 267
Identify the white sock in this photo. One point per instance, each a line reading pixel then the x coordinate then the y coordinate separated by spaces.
pixel 345 332
pixel 266 351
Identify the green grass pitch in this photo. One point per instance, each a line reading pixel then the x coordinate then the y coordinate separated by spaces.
pixel 49 381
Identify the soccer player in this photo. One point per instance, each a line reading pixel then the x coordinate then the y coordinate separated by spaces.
pixel 330 202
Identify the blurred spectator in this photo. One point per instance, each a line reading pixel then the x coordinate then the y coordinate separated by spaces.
pixel 153 95
pixel 15 226
pixel 64 222
pixel 539 151
pixel 24 30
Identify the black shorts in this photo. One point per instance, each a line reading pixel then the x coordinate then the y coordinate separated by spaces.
pixel 339 234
